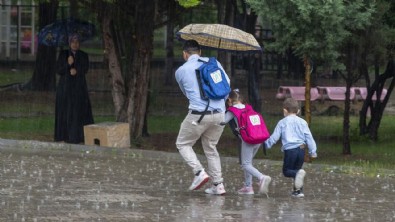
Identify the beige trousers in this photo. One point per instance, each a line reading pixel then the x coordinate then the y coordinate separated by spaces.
pixel 209 131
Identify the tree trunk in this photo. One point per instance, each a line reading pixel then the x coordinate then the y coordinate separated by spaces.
pixel 44 74
pixel 114 66
pixel 367 102
pixel 254 96
pixel 346 120
pixel 307 95
pixel 354 61
pixel 169 62
pixel 138 84
pixel 377 107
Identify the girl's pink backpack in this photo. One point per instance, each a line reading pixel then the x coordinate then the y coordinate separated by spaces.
pixel 252 127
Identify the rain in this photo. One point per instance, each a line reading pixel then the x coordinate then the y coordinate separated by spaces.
pixel 95 184
pixel 46 179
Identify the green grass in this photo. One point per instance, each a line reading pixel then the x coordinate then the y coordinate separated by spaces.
pixel 327 132
pixel 164 124
pixel 32 128
pixel 371 157
pixel 93 51
pixel 9 76
pixel 30 115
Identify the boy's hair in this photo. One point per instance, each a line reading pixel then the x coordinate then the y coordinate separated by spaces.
pixel 291 105
pixel 234 95
pixel 191 47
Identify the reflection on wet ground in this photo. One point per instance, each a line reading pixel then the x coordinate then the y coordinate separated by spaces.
pixel 61 182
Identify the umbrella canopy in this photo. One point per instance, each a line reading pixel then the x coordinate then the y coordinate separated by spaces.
pixel 219 36
pixel 57 33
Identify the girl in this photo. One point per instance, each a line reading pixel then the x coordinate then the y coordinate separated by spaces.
pixel 248 151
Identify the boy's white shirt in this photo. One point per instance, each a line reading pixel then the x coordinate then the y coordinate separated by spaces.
pixel 293 132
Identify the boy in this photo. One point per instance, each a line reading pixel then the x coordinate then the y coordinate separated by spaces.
pixel 295 136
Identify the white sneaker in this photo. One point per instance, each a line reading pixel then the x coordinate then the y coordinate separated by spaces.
pixel 246 190
pixel 299 178
pixel 199 180
pixel 264 184
pixel 216 190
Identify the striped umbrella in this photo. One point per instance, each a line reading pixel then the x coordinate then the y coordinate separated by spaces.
pixel 218 36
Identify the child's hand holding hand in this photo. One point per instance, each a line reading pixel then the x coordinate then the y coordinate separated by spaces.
pixel 313 155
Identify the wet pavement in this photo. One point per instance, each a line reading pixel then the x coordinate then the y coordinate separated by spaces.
pixel 62 182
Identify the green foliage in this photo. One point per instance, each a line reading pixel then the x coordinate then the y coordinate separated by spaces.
pixel 311 27
pixel 380 34
pixel 188 3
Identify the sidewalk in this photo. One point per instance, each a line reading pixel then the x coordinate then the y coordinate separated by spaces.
pixel 63 182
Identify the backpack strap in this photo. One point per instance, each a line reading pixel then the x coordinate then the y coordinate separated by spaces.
pixel 199 79
pixel 233 126
pixel 204 113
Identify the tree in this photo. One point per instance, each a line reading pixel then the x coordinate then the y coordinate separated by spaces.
pixel 317 30
pixel 312 29
pixel 44 74
pixel 358 18
pixel 43 78
pixel 237 14
pixel 169 62
pixel 377 106
pixel 379 38
pixel 128 28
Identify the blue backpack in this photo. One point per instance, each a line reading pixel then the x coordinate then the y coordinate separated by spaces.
pixel 212 82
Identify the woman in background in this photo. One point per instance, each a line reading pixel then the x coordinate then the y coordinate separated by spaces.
pixel 73 108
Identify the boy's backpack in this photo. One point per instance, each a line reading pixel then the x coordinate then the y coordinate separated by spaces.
pixel 212 82
pixel 252 127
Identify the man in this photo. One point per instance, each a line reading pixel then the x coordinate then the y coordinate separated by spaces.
pixel 208 129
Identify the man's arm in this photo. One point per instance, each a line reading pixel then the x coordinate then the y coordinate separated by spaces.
pixel 178 76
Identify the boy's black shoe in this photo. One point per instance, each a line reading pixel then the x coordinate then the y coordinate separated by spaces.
pixel 298 193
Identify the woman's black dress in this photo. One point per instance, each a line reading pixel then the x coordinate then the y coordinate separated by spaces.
pixel 73 108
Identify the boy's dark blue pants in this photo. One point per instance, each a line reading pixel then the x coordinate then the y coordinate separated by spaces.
pixel 293 161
